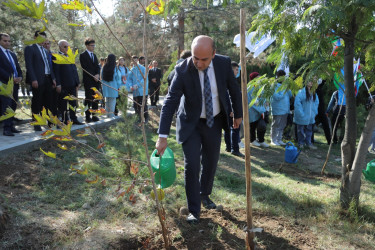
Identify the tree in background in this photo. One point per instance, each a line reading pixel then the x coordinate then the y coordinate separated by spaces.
pixel 308 29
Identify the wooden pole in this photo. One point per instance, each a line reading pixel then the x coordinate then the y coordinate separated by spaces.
pixel 249 207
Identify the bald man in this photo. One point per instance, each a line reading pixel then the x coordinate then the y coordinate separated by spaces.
pixel 199 87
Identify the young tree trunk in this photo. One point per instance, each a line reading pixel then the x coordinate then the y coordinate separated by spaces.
pixel 181 31
pixel 360 156
pixel 348 144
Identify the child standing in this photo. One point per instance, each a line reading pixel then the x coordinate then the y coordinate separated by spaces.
pixel 280 107
pixel 305 109
pixel 111 79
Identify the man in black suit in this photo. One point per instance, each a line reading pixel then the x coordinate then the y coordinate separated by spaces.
pixel 154 76
pixel 40 74
pixel 199 88
pixel 9 67
pixel 67 81
pixel 91 71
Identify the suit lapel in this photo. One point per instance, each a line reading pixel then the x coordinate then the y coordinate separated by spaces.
pixel 196 81
pixel 4 58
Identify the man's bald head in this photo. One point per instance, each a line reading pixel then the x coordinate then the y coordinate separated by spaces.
pixel 203 51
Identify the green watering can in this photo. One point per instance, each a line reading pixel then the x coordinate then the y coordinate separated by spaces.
pixel 163 167
pixel 369 173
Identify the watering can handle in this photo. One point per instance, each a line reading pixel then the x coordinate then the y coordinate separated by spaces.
pixel 289 143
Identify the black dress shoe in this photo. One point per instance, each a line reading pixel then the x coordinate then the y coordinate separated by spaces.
pixel 208 203
pixel 238 153
pixel 37 128
pixel 76 122
pixel 95 118
pixel 192 218
pixel 88 120
pixel 8 133
pixel 14 130
pixel 227 150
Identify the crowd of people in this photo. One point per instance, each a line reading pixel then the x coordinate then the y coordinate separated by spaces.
pixel 51 82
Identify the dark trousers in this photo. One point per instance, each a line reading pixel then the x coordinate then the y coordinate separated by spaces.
pixel 323 119
pixel 64 110
pixel 89 97
pixel 256 132
pixel 341 117
pixel 154 95
pixel 137 104
pixel 232 137
pixel 202 147
pixel 7 102
pixel 42 96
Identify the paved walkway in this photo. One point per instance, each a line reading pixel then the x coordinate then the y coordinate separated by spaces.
pixel 28 137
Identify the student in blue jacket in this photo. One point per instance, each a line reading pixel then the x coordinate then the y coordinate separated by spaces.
pixel 111 82
pixel 135 83
pixel 258 125
pixel 305 109
pixel 280 108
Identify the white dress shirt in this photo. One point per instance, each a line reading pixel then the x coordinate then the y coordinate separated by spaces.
pixel 214 91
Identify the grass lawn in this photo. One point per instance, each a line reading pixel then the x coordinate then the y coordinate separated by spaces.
pixel 50 207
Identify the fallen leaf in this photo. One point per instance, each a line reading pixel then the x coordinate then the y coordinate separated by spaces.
pixel 49 154
pixel 62 146
pixel 93 181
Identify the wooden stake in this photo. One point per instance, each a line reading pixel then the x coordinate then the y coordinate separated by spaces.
pixel 249 214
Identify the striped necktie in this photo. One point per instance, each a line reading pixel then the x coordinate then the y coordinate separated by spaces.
pixel 208 100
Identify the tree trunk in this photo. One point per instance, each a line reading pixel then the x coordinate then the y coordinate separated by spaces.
pixel 360 156
pixel 348 144
pixel 181 31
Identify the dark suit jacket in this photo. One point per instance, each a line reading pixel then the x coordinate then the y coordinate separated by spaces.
pixel 92 67
pixel 35 64
pixel 66 75
pixel 186 92
pixel 154 73
pixel 6 69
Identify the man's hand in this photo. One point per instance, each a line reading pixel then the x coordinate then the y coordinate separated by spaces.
pixel 231 114
pixel 54 83
pixel 153 80
pixel 96 77
pixel 237 122
pixel 58 89
pixel 17 80
pixel 161 145
pixel 34 84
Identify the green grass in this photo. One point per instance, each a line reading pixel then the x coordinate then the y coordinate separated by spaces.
pixel 308 200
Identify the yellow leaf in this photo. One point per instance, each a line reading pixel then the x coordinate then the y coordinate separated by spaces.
pixel 92 181
pixel 26 7
pixel 43 29
pixel 49 154
pixel 62 59
pixel 47 133
pixel 40 120
pixel 38 39
pixel 98 111
pixel 76 5
pixel 79 171
pixel 156 7
pixel 82 135
pixel 7 89
pixel 8 114
pixel 62 146
pixel 65 130
pixel 76 24
pixel 70 98
pixel 63 138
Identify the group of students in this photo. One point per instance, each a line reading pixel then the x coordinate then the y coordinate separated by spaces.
pixel 305 103
pixel 115 75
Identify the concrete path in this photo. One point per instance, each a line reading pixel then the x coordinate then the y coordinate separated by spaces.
pixel 29 138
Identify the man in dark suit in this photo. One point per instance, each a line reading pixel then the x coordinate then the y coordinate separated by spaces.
pixel 40 74
pixel 67 81
pixel 91 71
pixel 9 67
pixel 154 76
pixel 199 88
